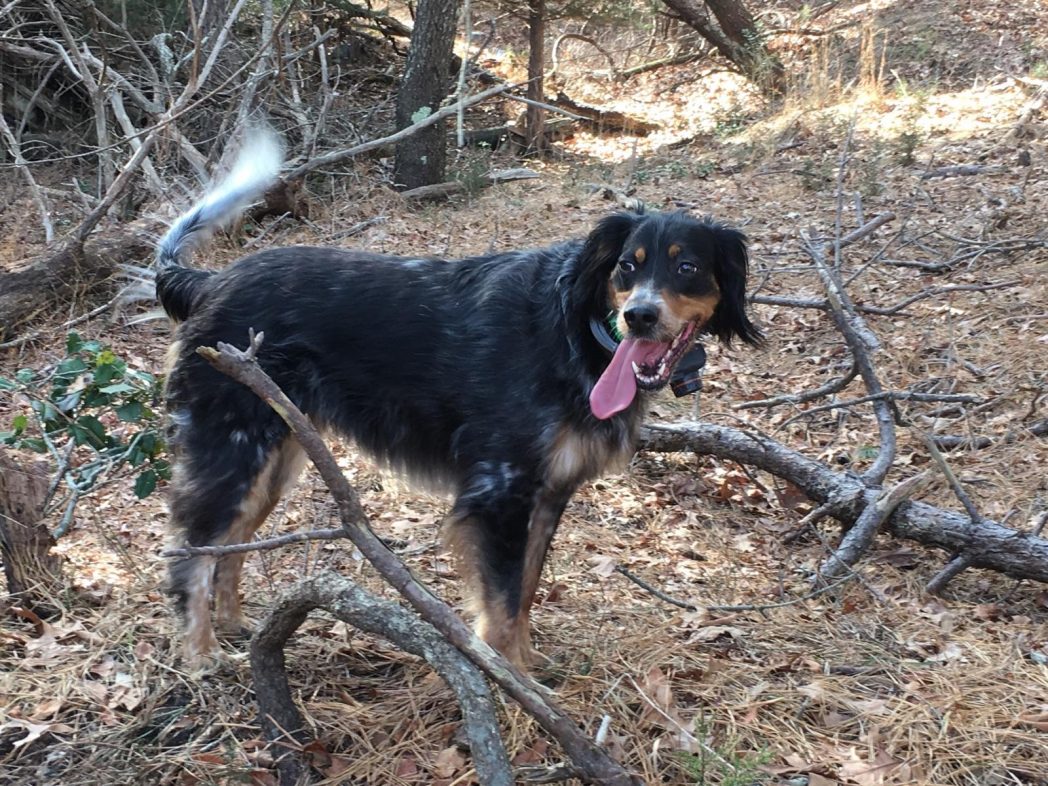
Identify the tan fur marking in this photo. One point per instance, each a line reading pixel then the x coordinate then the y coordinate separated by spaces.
pixel 199 638
pixel 640 255
pixel 574 458
pixel 692 309
pixel 673 251
pixel 171 357
pixel 505 634
pixel 279 473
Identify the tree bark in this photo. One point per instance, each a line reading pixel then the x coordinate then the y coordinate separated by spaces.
pixel 33 573
pixel 534 123
pixel 737 38
pixel 420 159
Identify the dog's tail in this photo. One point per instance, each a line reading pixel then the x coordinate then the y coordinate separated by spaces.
pixel 180 289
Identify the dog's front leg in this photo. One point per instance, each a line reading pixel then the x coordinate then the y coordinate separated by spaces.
pixel 488 531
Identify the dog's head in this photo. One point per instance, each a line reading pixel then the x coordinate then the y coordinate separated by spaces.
pixel 666 278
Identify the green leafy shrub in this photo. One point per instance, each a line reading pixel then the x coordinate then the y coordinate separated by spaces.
pixel 94 416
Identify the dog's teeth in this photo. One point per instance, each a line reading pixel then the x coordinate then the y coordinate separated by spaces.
pixel 636 368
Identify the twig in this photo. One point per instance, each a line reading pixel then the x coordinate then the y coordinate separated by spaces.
pixel 831 387
pixel 965 559
pixel 23 167
pixel 592 762
pixel 890 395
pixel 338 156
pixel 259 545
pixel 861 342
pixel 962 170
pixel 859 537
pixel 17 342
pixel 460 94
pixel 952 442
pixel 655 590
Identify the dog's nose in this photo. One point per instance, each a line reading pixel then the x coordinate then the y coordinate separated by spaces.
pixel 641 316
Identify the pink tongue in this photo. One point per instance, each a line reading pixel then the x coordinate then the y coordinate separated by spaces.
pixel 617 386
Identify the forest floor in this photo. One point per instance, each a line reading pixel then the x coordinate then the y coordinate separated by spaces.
pixel 878 684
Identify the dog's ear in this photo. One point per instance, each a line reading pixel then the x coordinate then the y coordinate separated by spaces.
pixel 731 264
pixel 601 252
pixel 605 242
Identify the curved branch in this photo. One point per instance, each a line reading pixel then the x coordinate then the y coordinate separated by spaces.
pixel 357 607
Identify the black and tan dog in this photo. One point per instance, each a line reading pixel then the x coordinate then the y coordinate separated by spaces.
pixel 484 375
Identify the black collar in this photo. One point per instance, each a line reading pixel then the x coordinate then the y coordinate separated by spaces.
pixel 687 377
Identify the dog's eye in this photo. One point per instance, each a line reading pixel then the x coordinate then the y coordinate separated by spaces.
pixel 687 269
pixel 626 266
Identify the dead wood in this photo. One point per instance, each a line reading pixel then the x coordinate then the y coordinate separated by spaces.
pixel 590 762
pixel 439 191
pixel 654 65
pixel 991 545
pixel 73 271
pixel 33 573
pixel 963 170
pixel 606 119
pixel 352 604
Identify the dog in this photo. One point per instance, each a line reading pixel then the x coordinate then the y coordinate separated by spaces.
pixel 484 375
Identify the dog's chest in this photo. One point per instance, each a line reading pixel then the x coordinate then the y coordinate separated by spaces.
pixel 576 455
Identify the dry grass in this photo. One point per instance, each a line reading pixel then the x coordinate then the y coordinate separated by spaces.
pixel 880 685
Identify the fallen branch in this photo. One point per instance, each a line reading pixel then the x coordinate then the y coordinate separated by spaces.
pixel 258 545
pixel 996 547
pixel 445 190
pixel 861 341
pixel 352 604
pixel 589 760
pixel 963 170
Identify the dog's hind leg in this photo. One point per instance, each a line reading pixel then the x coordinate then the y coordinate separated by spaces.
pixel 488 533
pixel 223 486
pixel 278 475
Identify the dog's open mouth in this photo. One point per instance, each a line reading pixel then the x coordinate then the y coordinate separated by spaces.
pixel 637 363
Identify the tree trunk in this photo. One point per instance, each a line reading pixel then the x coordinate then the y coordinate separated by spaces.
pixel 420 159
pixel 33 573
pixel 737 38
pixel 535 118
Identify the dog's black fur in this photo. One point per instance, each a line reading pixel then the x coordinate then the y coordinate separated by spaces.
pixel 473 374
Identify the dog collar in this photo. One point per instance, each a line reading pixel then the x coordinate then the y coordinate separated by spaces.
pixel 687 376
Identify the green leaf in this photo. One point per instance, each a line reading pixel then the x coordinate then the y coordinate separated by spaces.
pixel 73 343
pixel 7 384
pixel 130 412
pixel 70 401
pixel 118 387
pixel 163 468
pixel 421 114
pixel 34 444
pixel 69 369
pixel 18 423
pixel 89 430
pixel 25 375
pixel 145 484
pixel 867 453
